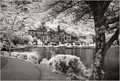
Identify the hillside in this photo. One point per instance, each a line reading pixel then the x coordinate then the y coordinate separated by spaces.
pixel 27 15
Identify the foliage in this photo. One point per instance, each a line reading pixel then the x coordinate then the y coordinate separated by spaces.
pixel 28 56
pixel 17 14
pixel 69 64
pixel 28 15
pixel 44 61
pixel 4 53
pixel 15 17
pixel 16 37
pixel 21 38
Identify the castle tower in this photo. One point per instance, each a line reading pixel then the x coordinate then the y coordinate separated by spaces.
pixel 58 30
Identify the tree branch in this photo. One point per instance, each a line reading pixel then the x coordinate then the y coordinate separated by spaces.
pixel 113 20
pixel 54 3
pixel 112 39
pixel 61 7
pixel 114 27
pixel 105 6
pixel 110 21
pixel 80 17
pixel 111 13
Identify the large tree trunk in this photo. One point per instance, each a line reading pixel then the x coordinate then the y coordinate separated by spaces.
pixel 98 72
pixel 98 10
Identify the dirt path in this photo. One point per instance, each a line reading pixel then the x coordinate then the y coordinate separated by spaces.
pixel 15 69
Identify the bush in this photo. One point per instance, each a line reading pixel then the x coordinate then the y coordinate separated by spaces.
pixel 22 40
pixel 44 61
pixel 28 56
pixel 20 37
pixel 69 64
pixel 4 54
pixel 33 57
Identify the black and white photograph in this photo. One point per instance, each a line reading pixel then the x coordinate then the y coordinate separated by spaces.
pixel 59 40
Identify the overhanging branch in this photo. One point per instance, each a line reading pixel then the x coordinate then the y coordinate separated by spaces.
pixel 113 20
pixel 80 17
pixel 110 21
pixel 105 6
pixel 112 39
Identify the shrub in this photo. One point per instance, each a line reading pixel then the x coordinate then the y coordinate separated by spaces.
pixel 69 64
pixel 33 57
pixel 44 61
pixel 20 37
pixel 16 54
pixel 4 53
pixel 28 56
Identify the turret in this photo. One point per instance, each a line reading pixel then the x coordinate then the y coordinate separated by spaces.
pixel 58 30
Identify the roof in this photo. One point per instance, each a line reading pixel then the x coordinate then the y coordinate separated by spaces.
pixel 32 30
pixel 52 31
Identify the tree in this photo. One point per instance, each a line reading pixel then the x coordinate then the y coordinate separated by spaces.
pixel 12 18
pixel 104 13
pixel 98 9
pixel 21 38
pixel 7 36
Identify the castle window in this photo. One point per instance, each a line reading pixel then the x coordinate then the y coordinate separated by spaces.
pixel 65 37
